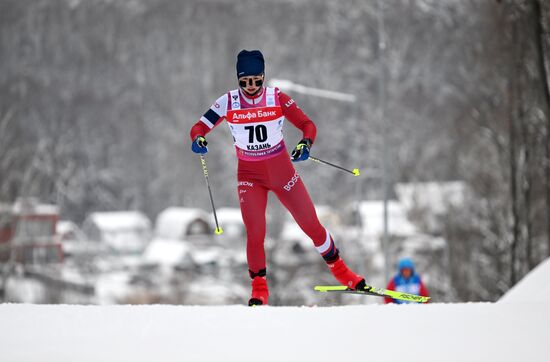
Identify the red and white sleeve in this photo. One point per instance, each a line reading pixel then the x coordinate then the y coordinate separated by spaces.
pixel 214 116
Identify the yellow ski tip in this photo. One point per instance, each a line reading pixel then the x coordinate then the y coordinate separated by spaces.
pixel 219 231
pixel 356 172
pixel 329 288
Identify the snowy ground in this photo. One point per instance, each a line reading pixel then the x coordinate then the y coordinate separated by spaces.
pixel 437 332
pixel 515 329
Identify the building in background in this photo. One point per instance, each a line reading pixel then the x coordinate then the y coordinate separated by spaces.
pixel 231 220
pixel 28 233
pixel 123 232
pixel 178 223
pixel 174 227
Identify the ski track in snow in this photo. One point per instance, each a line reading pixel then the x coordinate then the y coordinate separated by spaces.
pixel 433 332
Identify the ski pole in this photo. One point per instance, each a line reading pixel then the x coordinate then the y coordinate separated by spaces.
pixel 354 172
pixel 219 230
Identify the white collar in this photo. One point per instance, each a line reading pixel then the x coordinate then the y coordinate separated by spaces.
pixel 255 100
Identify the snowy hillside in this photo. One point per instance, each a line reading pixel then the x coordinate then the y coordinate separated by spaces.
pixel 436 332
pixel 516 331
pixel 533 287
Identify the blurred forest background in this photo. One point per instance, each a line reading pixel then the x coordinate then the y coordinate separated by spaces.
pixel 97 98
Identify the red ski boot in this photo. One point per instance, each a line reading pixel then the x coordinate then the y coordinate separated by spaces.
pixel 345 276
pixel 260 293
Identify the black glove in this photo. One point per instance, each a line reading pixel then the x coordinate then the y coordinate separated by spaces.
pixel 301 151
pixel 199 145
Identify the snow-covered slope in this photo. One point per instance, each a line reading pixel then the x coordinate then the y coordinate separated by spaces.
pixel 535 286
pixel 436 332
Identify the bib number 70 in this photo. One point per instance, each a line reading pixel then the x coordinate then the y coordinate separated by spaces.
pixel 260 131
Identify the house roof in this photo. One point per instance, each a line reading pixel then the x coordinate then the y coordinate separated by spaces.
pixel 166 252
pixel 230 214
pixel 65 226
pixel 29 206
pixel 172 223
pixel 119 220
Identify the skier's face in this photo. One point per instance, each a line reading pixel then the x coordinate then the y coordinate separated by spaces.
pixel 251 84
pixel 406 273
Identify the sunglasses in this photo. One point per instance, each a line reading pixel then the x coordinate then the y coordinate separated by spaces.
pixel 250 81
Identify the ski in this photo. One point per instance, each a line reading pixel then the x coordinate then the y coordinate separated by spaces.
pixel 378 292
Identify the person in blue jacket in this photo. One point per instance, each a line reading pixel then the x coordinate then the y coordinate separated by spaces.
pixel 407 281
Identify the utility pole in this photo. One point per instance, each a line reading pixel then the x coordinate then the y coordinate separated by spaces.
pixel 382 110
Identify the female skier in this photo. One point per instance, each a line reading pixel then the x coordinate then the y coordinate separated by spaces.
pixel 255 116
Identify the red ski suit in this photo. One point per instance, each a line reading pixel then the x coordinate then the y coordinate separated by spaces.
pixel 264 164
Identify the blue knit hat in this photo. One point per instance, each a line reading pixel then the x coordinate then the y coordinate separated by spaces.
pixel 406 263
pixel 250 63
